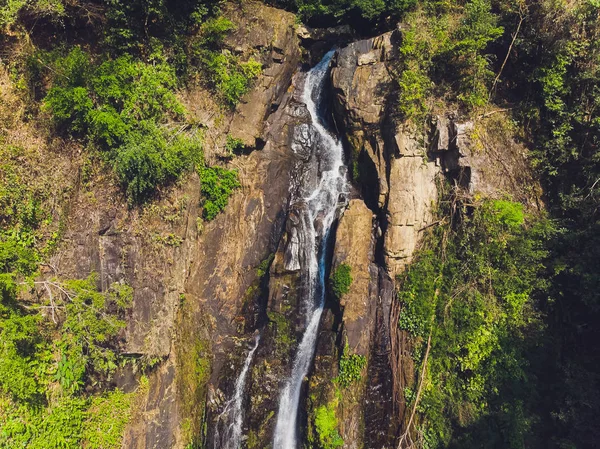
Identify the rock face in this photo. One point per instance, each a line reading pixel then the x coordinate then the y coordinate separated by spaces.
pixel 268 35
pixel 412 194
pixel 354 246
pixel 191 279
pixel 392 163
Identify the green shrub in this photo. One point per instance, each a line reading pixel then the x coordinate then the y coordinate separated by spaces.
pixel 106 419
pixel 217 185
pixel 123 106
pixel 151 158
pixel 445 51
pixel 360 13
pixel 351 366
pixel 10 9
pixel 340 280
pixel 230 77
pixel 476 303
pixel 233 144
pixel 87 330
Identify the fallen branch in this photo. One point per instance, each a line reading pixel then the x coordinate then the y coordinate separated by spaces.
pixel 431 224
pixel 495 111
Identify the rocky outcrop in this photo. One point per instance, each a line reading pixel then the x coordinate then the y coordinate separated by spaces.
pixel 354 246
pixel 483 156
pixel 268 35
pixel 412 195
pixel 392 165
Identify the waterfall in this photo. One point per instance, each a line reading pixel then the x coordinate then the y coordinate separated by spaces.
pixel 320 205
pixel 231 418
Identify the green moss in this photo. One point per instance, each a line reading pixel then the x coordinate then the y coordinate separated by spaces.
pixel 326 426
pixel 252 442
pixel 194 367
pixel 282 331
pixel 263 267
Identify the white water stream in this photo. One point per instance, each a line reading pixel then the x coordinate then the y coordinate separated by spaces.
pixel 322 205
pixel 231 419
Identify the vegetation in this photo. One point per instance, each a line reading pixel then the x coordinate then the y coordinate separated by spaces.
pixel 351 367
pixel 472 311
pixel 217 185
pixel 341 279
pixel 123 106
pixel 503 306
pixel 283 331
pixel 46 360
pixel 59 338
pixel 326 425
pixel 361 14
pixel 540 61
pixel 445 51
pixel 233 145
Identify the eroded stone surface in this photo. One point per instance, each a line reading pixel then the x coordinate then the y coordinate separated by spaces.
pixel 266 34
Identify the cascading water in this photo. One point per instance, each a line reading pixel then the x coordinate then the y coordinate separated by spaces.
pixel 319 206
pixel 231 419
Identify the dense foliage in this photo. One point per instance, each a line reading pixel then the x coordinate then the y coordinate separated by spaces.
pixel 444 51
pixel 124 107
pixel 55 337
pixel 471 292
pixel 540 61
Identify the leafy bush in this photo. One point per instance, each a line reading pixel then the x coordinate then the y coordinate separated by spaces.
pixel 10 10
pixel 233 144
pixel 87 330
pixel 134 25
pixel 476 302
pixel 106 418
pixel 123 106
pixel 444 50
pixel 217 185
pixel 340 280
pixel 360 13
pixel 230 77
pixel 351 366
